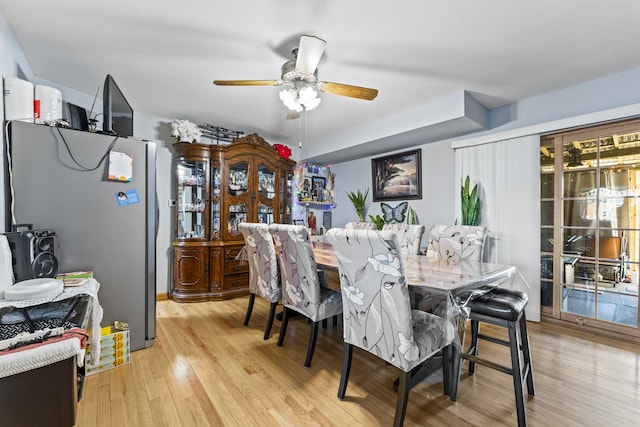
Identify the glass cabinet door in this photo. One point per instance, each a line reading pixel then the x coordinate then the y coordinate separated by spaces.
pixel 286 197
pixel 265 214
pixel 237 214
pixel 215 201
pixel 267 193
pixel 238 197
pixel 191 199
pixel 266 182
pixel 238 178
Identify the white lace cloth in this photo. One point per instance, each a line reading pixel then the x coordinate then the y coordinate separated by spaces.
pixel 13 363
pixel 22 361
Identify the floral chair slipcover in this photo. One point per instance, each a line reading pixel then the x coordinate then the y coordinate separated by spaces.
pixel 409 236
pixel 302 289
pixel 455 243
pixel 360 226
pixel 263 269
pixel 376 310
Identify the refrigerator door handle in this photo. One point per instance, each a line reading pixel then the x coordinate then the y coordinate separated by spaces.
pixel 157 216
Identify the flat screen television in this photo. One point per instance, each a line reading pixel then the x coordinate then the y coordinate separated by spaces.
pixel 117 113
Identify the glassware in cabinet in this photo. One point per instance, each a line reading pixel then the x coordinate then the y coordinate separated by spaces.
pixel 216 186
pixel 238 178
pixel 237 214
pixel 266 181
pixel 265 214
pixel 191 199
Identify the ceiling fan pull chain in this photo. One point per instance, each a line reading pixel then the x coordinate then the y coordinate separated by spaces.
pixel 306 127
pixel 300 133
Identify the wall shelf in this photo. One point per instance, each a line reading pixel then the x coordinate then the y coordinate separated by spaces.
pixel 318 205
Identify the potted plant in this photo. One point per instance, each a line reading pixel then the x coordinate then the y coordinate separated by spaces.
pixel 470 204
pixel 185 131
pixel 378 221
pixel 359 201
pixel 412 218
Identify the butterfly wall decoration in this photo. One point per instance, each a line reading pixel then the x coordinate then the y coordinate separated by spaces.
pixel 394 214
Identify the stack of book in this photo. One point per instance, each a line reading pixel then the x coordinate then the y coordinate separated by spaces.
pixel 114 350
pixel 75 278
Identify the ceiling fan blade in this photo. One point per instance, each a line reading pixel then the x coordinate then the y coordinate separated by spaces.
pixel 348 90
pixel 247 82
pixel 309 53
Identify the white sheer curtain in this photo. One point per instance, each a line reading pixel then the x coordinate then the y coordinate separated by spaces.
pixel 508 174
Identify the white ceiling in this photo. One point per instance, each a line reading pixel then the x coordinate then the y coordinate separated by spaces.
pixel 165 54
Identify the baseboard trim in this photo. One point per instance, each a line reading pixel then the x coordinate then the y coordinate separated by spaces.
pixel 162 297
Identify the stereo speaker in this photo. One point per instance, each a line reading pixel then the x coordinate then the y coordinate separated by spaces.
pixel 33 254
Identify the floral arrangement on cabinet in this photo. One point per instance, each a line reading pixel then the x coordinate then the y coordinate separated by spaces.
pixel 185 131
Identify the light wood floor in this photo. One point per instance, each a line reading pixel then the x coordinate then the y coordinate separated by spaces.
pixel 205 368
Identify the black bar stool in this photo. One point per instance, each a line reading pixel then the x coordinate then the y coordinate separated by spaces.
pixel 501 307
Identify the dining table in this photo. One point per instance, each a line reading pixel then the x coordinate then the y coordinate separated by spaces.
pixel 435 276
pixel 437 286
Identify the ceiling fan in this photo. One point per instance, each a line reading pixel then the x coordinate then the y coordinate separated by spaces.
pixel 300 77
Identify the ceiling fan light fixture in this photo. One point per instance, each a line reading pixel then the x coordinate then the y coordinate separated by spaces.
pixel 289 98
pixel 299 78
pixel 309 98
pixel 298 99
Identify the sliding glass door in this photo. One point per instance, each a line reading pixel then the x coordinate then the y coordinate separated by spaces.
pixel 590 226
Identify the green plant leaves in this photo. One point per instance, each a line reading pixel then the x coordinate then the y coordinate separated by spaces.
pixel 412 218
pixel 359 201
pixel 470 203
pixel 378 220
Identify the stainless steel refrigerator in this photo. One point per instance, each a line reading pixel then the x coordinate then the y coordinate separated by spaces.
pixel 60 179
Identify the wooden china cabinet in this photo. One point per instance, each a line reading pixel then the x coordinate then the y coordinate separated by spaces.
pixel 217 188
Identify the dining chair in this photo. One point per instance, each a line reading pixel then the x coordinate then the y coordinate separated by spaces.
pixel 360 225
pixel 455 243
pixel 377 314
pixel 409 236
pixel 304 288
pixel 263 270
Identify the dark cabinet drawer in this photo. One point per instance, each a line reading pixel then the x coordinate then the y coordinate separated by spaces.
pixel 236 266
pixel 236 281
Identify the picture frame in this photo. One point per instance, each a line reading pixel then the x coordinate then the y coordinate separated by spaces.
pixel 318 183
pixel 397 176
pixel 298 222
